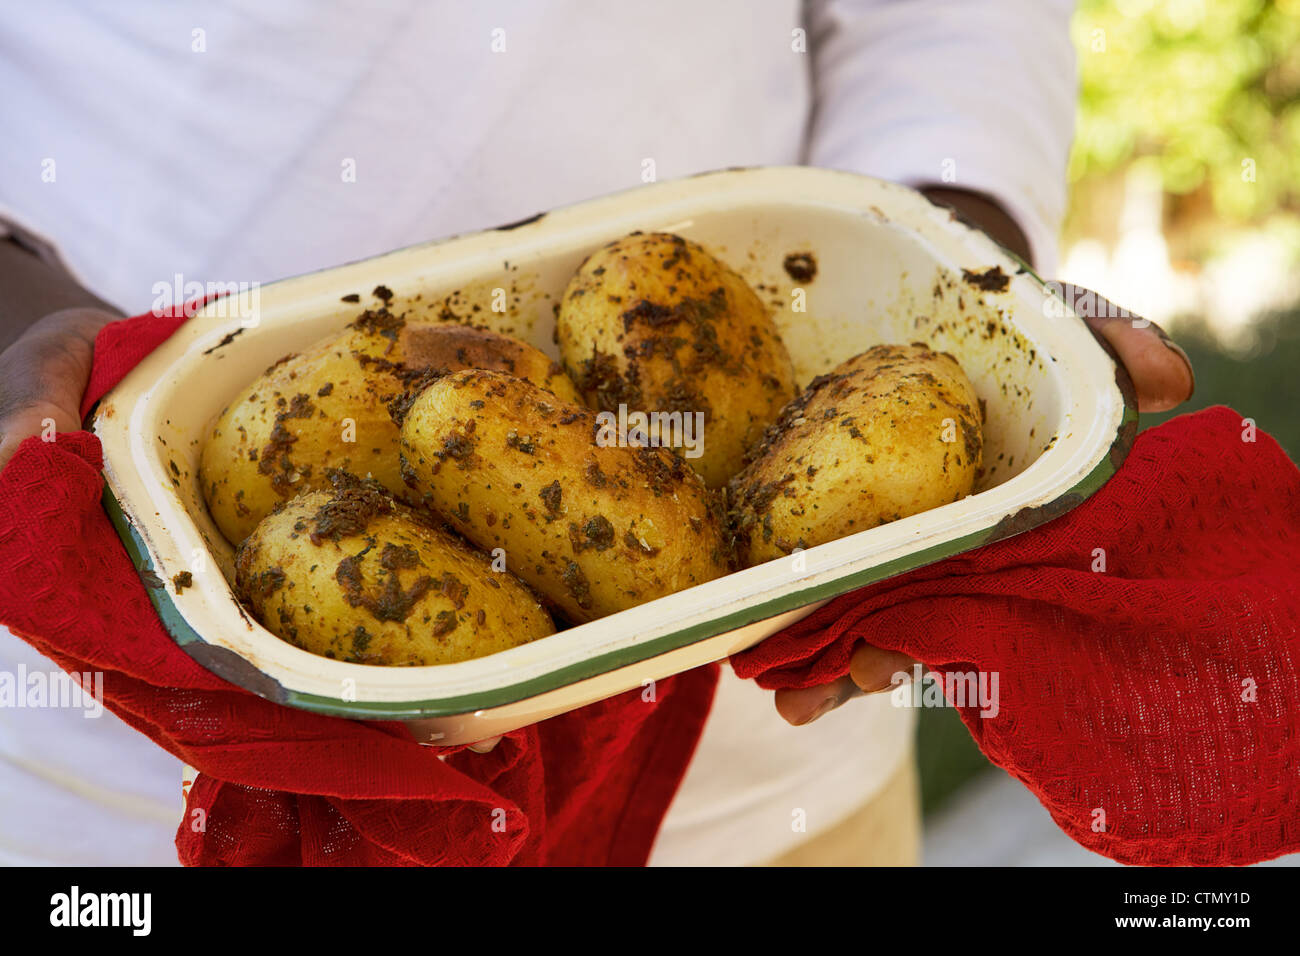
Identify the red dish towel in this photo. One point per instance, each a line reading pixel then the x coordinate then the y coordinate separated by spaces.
pixel 1146 647
pixel 1151 705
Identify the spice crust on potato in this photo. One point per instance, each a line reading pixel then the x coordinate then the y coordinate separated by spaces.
pixel 353 575
pixel 655 323
pixel 887 434
pixel 594 528
pixel 327 408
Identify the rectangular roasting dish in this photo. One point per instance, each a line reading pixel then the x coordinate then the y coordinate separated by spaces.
pixel 889 268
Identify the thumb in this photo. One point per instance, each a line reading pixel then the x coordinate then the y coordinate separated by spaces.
pixel 1161 371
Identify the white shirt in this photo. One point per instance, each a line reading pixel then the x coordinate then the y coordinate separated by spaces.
pixel 208 138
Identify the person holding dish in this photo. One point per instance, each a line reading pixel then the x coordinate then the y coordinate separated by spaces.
pixel 352 136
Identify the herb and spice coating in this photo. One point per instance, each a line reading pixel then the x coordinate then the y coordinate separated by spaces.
pixel 890 433
pixel 655 323
pixel 595 528
pixel 353 575
pixel 329 407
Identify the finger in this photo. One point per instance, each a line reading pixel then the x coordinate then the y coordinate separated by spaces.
pixel 874 669
pixel 803 705
pixel 484 746
pixel 1161 371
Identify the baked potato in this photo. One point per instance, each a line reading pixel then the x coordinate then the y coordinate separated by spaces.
pixel 654 323
pixel 887 434
pixel 593 525
pixel 327 408
pixel 353 575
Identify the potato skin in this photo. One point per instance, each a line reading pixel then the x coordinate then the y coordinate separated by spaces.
pixel 593 528
pixel 355 576
pixel 280 434
pixel 654 322
pixel 863 445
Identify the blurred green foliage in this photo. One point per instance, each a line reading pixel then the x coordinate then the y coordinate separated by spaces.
pixel 1211 88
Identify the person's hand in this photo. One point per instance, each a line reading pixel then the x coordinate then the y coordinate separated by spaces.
pixel 43 376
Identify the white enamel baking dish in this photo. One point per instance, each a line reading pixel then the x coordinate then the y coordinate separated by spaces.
pixel 1059 420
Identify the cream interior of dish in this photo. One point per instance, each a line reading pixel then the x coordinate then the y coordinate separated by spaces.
pixel 872 285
